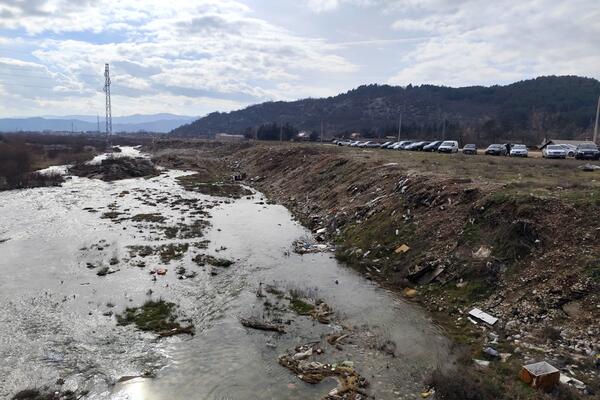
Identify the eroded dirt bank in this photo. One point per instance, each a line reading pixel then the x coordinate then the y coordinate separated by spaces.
pixel 515 238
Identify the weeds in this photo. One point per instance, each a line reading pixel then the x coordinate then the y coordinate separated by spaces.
pixel 155 316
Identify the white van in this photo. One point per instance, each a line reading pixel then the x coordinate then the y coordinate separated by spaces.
pixel 448 146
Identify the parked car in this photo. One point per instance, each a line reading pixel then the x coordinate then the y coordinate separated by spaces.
pixel 391 145
pixel 433 146
pixel 401 143
pixel 570 149
pixel 355 143
pixel 587 151
pixel 405 144
pixel 554 151
pixel 519 150
pixel 448 146
pixel 344 143
pixel 417 146
pixel 470 149
pixel 495 150
pixel 384 145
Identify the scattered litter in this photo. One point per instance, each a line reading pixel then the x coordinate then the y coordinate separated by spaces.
pixel 482 253
pixel 477 314
pixel 568 380
pixel 305 246
pixel 321 313
pixel 106 271
pixel 481 363
pixel 409 292
pixel 427 393
pixel 402 249
pixel 350 382
pixel 490 351
pixel 589 167
pixel 159 271
pixel 177 331
pixel 540 375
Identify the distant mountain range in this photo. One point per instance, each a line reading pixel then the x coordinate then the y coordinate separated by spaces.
pixel 159 123
pixel 554 106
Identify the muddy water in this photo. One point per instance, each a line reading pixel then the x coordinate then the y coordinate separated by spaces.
pixel 56 322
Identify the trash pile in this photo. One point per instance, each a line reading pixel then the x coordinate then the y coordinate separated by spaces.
pixel 350 384
pixel 307 245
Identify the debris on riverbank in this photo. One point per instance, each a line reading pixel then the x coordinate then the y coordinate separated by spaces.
pixel 203 259
pixel 197 183
pixel 48 393
pixel 117 168
pixel 262 325
pixel 474 237
pixel 309 245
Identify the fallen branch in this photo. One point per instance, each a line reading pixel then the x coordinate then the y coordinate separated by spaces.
pixel 262 325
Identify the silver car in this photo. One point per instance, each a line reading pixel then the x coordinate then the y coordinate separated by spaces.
pixel 554 151
pixel 518 150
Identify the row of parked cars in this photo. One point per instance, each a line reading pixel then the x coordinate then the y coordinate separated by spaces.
pixel 584 151
pixel 442 146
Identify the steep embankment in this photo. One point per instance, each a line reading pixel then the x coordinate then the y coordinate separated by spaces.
pixel 517 238
pixel 497 234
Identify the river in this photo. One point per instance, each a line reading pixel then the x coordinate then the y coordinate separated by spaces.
pixel 57 318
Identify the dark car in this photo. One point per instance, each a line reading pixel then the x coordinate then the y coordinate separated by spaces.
pixel 587 151
pixel 417 146
pixel 470 149
pixel 496 150
pixel 433 146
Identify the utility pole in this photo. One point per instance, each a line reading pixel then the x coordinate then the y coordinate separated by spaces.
pixel 321 131
pixel 400 121
pixel 72 129
pixel 444 129
pixel 281 132
pixel 108 107
pixel 98 122
pixel 596 125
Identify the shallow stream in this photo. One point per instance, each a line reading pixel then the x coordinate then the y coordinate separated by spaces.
pixel 57 318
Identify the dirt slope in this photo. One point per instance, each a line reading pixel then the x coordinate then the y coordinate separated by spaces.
pixel 516 238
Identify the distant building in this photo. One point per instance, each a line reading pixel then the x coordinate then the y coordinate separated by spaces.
pixel 227 137
pixel 561 141
pixel 355 135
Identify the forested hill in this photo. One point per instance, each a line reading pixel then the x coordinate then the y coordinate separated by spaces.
pixel 552 106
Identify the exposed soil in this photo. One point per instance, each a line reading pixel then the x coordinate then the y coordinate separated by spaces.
pixel 112 169
pixel 512 237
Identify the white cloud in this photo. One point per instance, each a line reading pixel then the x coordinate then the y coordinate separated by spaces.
pixel 199 56
pixel 477 43
pixel 210 49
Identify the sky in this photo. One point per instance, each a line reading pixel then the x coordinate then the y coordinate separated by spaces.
pixel 195 57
